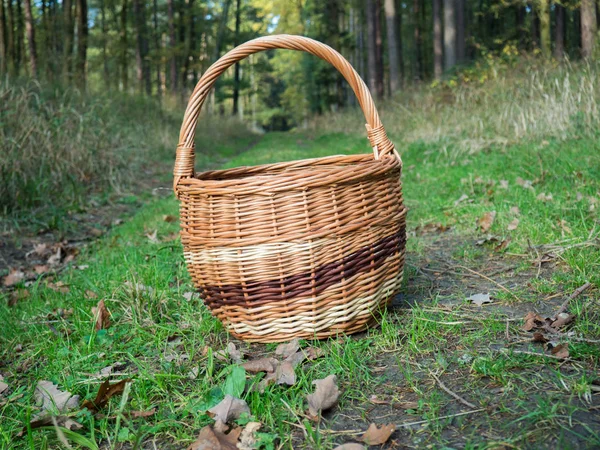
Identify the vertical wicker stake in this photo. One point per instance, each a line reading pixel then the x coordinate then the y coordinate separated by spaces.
pixel 309 248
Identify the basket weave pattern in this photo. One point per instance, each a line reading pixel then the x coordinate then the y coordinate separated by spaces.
pixel 307 248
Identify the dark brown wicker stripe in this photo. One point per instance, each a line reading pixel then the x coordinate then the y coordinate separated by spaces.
pixel 305 284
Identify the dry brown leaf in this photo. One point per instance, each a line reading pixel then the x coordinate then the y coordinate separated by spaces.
pixel 3 385
pixel 539 337
pixel 101 316
pixel 533 320
pixel 41 249
pixel 59 286
pixel 288 348
pixel 325 396
pixel 210 439
pixel 261 365
pixel 234 353
pixel 41 269
pixel 47 421
pixel 503 184
pixel 91 295
pixel 137 414
pixel 502 245
pixel 248 439
pixel 525 184
pixel 105 393
pixel 377 436
pixel 169 218
pixel 15 276
pixel 229 408
pixel 52 399
pixel 486 221
pixel 561 320
pixel 564 225
pixel 561 351
pixel 153 237
pixel 17 296
pixel 461 199
pixel 515 210
pixel 350 446
pixel 56 257
pixel 545 197
pixel 95 232
pixel 513 225
pixel 285 374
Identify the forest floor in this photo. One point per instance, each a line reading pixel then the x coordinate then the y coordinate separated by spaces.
pixel 447 368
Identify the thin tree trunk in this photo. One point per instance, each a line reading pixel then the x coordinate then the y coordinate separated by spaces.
pixel 392 44
pixel 20 48
pixel 400 40
pixel 68 39
pixel 172 47
pixel 104 42
pixel 157 47
pixel 31 38
pixel 417 38
pixel 10 36
pixel 460 31
pixel 449 34
pixel 535 28
pixel 236 73
pixel 544 15
pixel 379 87
pixel 438 53
pixel 82 41
pixel 520 24
pixel 371 46
pixel 3 49
pixel 124 45
pixel 187 40
pixel 588 28
pixel 559 32
pixel 221 30
pixel 143 69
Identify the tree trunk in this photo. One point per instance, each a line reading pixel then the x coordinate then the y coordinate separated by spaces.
pixel 143 69
pixel 10 36
pixel 188 17
pixel 520 24
pixel 371 46
pixel 417 38
pixel 392 44
pixel 20 48
pixel 124 45
pixel 544 15
pixel 379 86
pixel 588 28
pixel 535 28
pixel 438 53
pixel 157 47
pixel 236 75
pixel 449 34
pixel 82 41
pixel 221 30
pixel 3 49
pixel 31 38
pixel 399 10
pixel 172 46
pixel 104 42
pixel 460 31
pixel 68 39
pixel 559 32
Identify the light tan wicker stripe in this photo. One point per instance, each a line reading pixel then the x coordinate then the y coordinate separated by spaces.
pixel 259 261
pixel 314 317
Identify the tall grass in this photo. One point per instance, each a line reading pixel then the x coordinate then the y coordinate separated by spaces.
pixel 59 146
pixel 505 104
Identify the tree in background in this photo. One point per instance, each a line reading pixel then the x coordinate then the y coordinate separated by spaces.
pixel 588 28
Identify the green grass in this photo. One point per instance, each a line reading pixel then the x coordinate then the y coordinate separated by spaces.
pixel 159 337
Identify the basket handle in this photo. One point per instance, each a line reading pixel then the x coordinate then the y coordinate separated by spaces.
pixel 184 161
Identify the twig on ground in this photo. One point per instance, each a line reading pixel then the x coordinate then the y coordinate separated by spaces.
pixel 575 294
pixel 543 355
pixel 420 422
pixel 504 288
pixel 451 393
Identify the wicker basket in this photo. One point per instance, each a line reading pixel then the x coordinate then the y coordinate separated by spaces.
pixel 307 249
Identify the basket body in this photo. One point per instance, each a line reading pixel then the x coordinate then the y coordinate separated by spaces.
pixel 307 249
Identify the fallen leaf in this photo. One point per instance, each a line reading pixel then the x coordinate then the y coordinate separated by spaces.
pixel 83 267
pixel 229 408
pixel 41 269
pixel 56 257
pixel 545 197
pixel 513 225
pixel 138 414
pixel 41 249
pixel 234 353
pixel 539 337
pixel 502 245
pixel 533 320
pixel 138 288
pixel 153 237
pixel 325 396
pixel 261 365
pixel 248 440
pixel 101 316
pixel 480 299
pixel 95 232
pixel 210 439
pixel 515 210
pixel 561 320
pixel 377 436
pixel 579 196
pixel 59 286
pixel 17 296
pixel 189 296
pixel 288 348
pixel 486 221
pixel 525 184
pixel 47 421
pixel 350 446
pixel 504 184
pixel 52 399
pixel 169 218
pixel 284 374
pixel 461 199
pixel 105 393
pixel 296 358
pixel 565 226
pixel 3 385
pixel 561 351
pixel 14 277
pixel 91 295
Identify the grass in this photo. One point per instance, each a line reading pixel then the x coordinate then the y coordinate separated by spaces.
pixel 168 342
